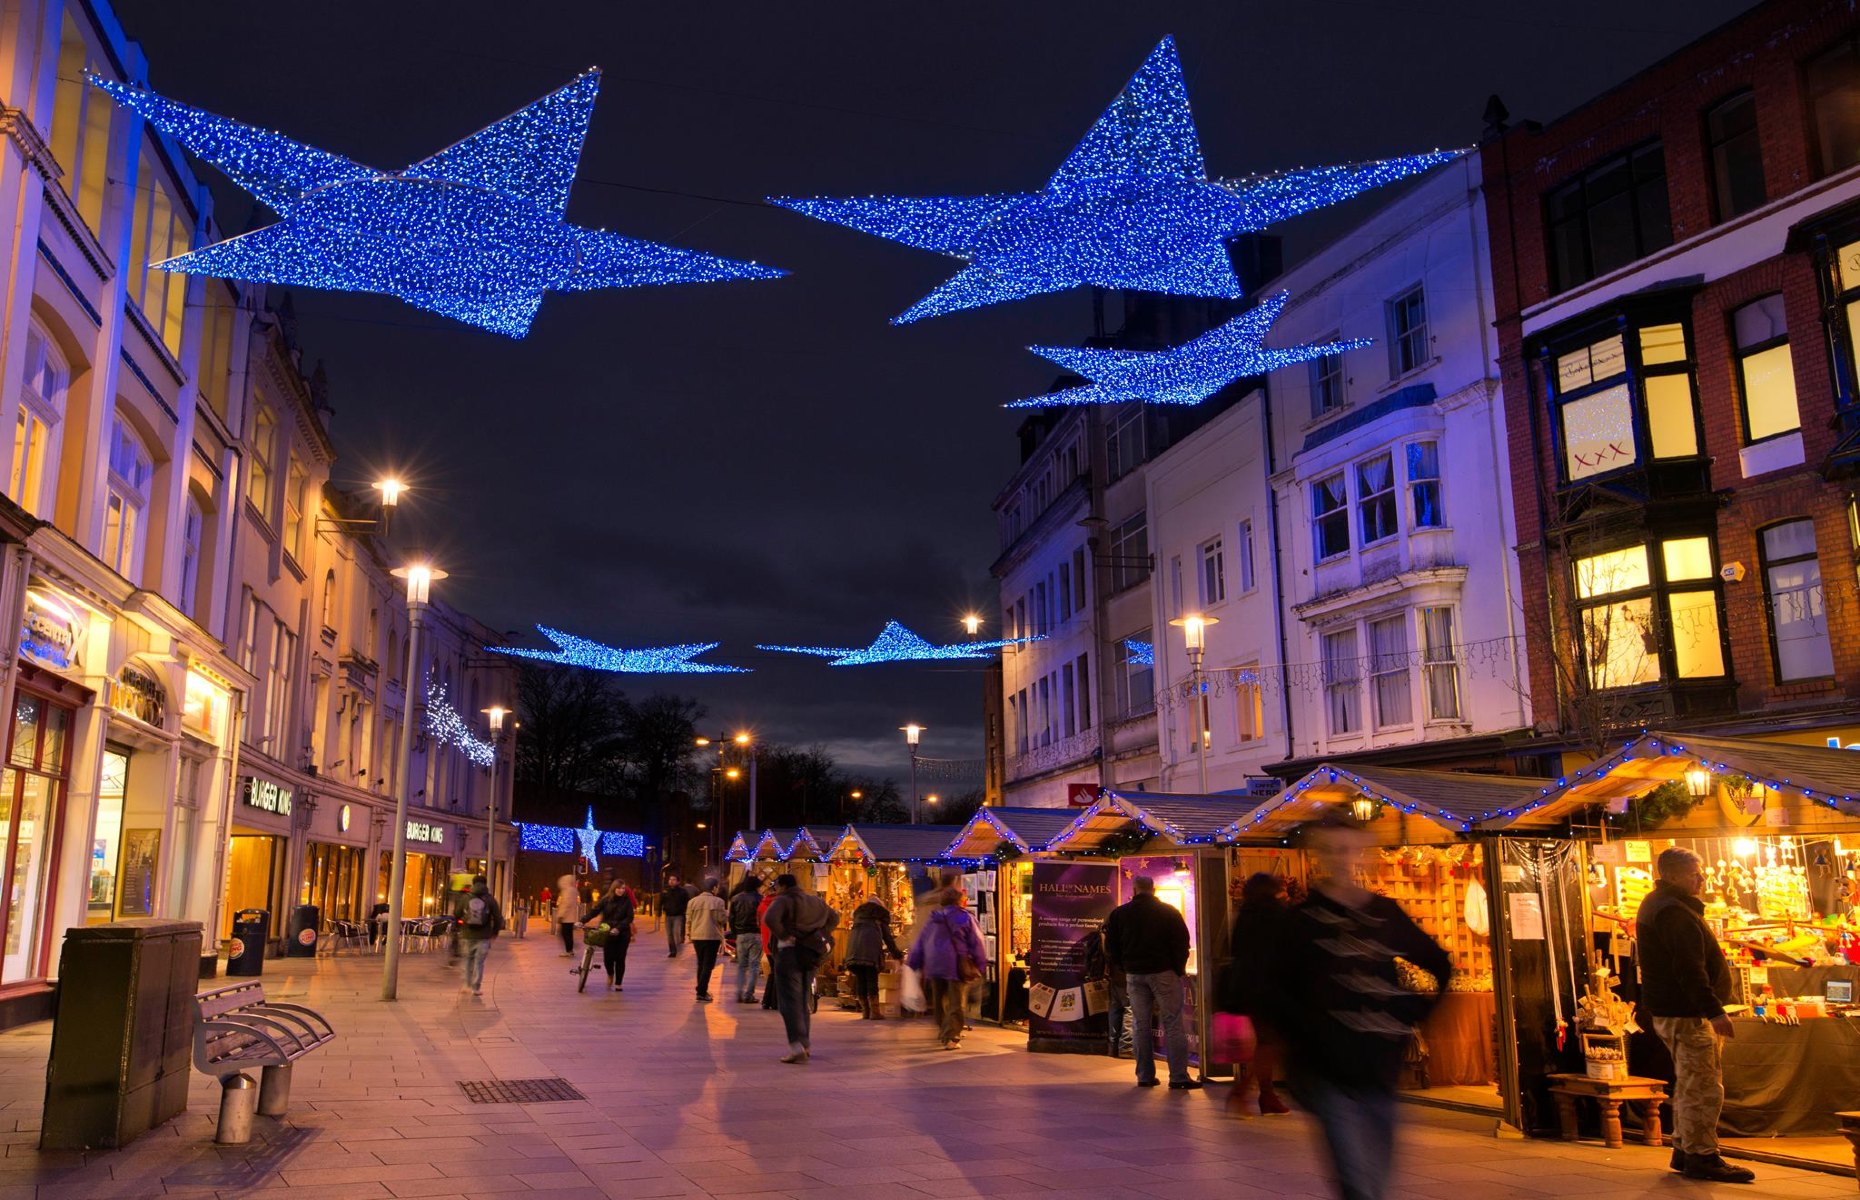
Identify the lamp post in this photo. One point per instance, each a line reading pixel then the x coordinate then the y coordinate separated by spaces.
pixel 747 743
pixel 1194 629
pixel 419 586
pixel 912 734
pixel 971 625
pixel 496 714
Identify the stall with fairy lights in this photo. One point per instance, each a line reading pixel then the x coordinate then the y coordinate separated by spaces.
pixel 896 865
pixel 1776 826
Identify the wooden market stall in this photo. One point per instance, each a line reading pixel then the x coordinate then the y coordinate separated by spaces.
pixel 897 865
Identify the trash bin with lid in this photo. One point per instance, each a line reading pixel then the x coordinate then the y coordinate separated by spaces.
pixel 301 935
pixel 246 955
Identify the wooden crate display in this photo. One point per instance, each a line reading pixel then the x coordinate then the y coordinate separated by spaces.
pixel 1431 888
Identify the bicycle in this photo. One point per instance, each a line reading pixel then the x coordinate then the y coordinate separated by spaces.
pixel 591 940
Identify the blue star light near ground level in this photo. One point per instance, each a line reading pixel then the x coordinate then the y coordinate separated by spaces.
pixel 1185 374
pixel 476 232
pixel 653 660
pixel 898 644
pixel 1132 207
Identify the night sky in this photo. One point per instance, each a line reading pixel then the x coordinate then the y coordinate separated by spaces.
pixel 773 461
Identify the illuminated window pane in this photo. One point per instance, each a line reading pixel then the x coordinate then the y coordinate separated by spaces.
pixel 1692 619
pixel 1769 393
pixel 1598 433
pixel 1687 558
pixel 1618 643
pixel 1669 416
pixel 1662 344
pixel 1616 571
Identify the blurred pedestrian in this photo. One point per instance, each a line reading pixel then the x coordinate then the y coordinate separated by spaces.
pixel 950 955
pixel 800 927
pixel 1148 941
pixel 673 902
pixel 746 933
pixel 706 921
pixel 771 996
pixel 617 912
pixel 567 912
pixel 867 942
pixel 480 921
pixel 1258 926
pixel 1346 1012
pixel 521 922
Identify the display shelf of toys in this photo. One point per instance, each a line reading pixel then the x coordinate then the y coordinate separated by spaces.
pixel 1442 888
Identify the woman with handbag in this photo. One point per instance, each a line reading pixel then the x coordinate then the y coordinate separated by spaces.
pixel 1258 924
pixel 867 943
pixel 615 912
pixel 950 954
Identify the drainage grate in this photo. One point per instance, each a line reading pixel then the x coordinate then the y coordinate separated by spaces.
pixel 519 1091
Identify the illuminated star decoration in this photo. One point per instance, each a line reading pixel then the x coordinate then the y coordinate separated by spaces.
pixel 1185 374
pixel 590 839
pixel 476 232
pixel 898 644
pixel 1142 654
pixel 1132 207
pixel 654 660
pixel 444 724
pixel 567 839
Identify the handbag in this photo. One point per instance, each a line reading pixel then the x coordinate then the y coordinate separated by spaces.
pixel 966 970
pixel 1233 1038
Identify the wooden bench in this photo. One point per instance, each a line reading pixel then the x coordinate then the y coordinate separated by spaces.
pixel 1609 1095
pixel 236 1029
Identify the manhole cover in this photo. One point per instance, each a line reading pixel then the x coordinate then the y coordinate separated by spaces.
pixel 519 1091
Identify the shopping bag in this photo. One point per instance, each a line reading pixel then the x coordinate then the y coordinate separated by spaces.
pixel 1097 996
pixel 1233 1038
pixel 911 991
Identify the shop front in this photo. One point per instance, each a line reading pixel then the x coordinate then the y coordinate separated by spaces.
pixel 335 875
pixel 258 858
pixel 896 865
pixel 429 867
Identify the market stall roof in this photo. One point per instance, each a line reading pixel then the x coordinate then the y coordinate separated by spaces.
pixel 739 850
pixel 1454 800
pixel 1026 829
pixel 1185 819
pixel 1822 774
pixel 895 843
pixel 774 844
pixel 810 842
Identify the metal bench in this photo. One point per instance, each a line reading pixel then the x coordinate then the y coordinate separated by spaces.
pixel 236 1029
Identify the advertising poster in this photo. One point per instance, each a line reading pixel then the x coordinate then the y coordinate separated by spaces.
pixel 1066 1009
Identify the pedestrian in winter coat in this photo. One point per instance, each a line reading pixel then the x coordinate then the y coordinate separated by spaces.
pixel 616 911
pixel 800 929
pixel 706 921
pixel 567 912
pixel 949 953
pixel 771 998
pixel 867 943
pixel 673 902
pixel 1148 941
pixel 746 933
pixel 1258 925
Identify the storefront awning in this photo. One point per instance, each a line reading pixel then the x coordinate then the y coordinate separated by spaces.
pixel 1823 775
pixel 1026 829
pixel 894 843
pixel 1453 800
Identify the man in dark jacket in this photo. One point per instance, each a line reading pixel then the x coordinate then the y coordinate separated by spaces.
pixel 800 926
pixel 1148 941
pixel 746 935
pixel 480 921
pixel 1683 980
pixel 673 902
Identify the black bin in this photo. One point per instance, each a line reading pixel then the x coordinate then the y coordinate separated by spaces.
pixel 301 934
pixel 251 926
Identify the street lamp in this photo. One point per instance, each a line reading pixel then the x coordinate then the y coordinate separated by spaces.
pixel 912 734
pixel 495 714
pixel 1194 627
pixel 972 624
pixel 419 577
pixel 747 744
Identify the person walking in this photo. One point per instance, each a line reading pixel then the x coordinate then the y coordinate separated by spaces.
pixel 1258 925
pixel 522 917
pixel 567 912
pixel 746 933
pixel 771 995
pixel 867 942
pixel 480 921
pixel 949 953
pixel 673 903
pixel 706 921
pixel 1333 992
pixel 1148 941
pixel 800 926
pixel 617 912
pixel 1684 980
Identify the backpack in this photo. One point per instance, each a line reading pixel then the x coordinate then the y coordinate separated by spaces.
pixel 477 912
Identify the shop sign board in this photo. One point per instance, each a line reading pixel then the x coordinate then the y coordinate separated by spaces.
pixel 421 831
pixel 1081 795
pixel 1068 1010
pixel 49 634
pixel 140 695
pixel 267 796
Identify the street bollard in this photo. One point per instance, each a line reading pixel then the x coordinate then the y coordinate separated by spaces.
pixel 274 1091
pixel 238 1105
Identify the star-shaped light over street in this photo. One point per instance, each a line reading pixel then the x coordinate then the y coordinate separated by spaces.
pixel 476 232
pixel 654 660
pixel 590 839
pixel 1132 207
pixel 1186 374
pixel 898 644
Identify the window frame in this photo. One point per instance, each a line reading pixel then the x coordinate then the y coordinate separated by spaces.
pixel 1579 218
pixel 1811 95
pixel 1134 531
pixel 1382 666
pixel 1244 556
pixel 1659 591
pixel 1211 556
pixel 1420 333
pixel 1416 484
pixel 1765 564
pixel 1335 685
pixel 1325 376
pixel 1382 499
pixel 1716 147
pixel 1634 375
pixel 1741 353
pixel 133 498
pixel 1249 699
pixel 1123 430
pixel 1340 512
pixel 1450 664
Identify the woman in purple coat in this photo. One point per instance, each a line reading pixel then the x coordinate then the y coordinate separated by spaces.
pixel 949 953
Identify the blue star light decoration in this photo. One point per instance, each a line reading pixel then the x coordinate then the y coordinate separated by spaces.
pixel 444 724
pixel 1142 654
pixel 654 660
pixel 1132 207
pixel 586 841
pixel 898 644
pixel 1185 374
pixel 476 232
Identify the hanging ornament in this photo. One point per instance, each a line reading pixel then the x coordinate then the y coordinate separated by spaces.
pixel 655 660
pixel 476 232
pixel 898 644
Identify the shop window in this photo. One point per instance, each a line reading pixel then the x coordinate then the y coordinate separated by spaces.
pixel 1243 552
pixel 1389 672
pixel 1409 345
pixel 106 842
pixel 1610 215
pixel 1424 485
pixel 126 502
pixel 260 450
pixel 1130 553
pixel 33 483
pixel 1797 608
pixel 1765 373
pixel 1833 79
pixel 1330 516
pixel 1327 380
pixel 32 793
pixel 1342 697
pixel 1213 573
pixel 1375 498
pixel 1123 442
pixel 1249 703
pixel 1440 664
pixel 1736 156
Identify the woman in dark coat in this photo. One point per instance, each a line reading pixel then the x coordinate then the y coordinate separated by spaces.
pixel 1264 904
pixel 616 912
pixel 867 942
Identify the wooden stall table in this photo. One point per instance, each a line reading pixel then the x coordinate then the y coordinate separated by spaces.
pixel 1850 1129
pixel 1609 1095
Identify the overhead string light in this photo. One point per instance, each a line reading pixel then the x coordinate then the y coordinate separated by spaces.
pixel 476 232
pixel 587 841
pixel 1185 374
pixel 1132 207
pixel 654 660
pixel 444 724
pixel 1142 654
pixel 898 644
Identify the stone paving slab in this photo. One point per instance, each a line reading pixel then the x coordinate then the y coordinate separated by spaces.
pixel 686 1101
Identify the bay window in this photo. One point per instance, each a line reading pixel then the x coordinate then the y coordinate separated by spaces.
pixel 1646 616
pixel 1797 608
pixel 1375 498
pixel 1343 701
pixel 1625 400
pixel 1330 516
pixel 1389 671
pixel 1424 485
pixel 1440 664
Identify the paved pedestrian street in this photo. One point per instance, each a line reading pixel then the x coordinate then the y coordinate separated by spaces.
pixel 688 1100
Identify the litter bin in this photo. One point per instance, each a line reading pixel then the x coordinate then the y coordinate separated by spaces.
pixel 300 937
pixel 251 926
